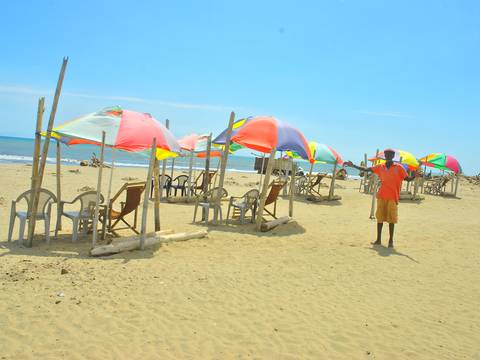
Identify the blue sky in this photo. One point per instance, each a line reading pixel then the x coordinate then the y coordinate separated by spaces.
pixel 357 75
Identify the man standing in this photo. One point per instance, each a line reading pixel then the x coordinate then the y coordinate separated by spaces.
pixel 391 176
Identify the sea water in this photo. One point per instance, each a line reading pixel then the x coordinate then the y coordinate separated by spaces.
pixel 20 150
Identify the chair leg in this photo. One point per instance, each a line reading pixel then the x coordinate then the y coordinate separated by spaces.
pixel 195 213
pixel 47 229
pixel 10 228
pixel 228 213
pixel 75 229
pixel 22 230
pixel 206 210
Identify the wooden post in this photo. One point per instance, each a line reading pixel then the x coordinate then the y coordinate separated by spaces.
pixel 156 192
pixel 99 191
pixel 38 140
pixel 59 188
pixel 309 180
pixel 206 175
pixel 261 172
pixel 43 161
pixel 147 194
pixel 164 165
pixel 292 188
pixel 457 176
pixel 263 195
pixel 332 182
pixel 189 181
pixel 224 159
pixel 109 193
pixel 173 166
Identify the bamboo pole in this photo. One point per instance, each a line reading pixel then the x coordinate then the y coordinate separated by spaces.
pixel 173 166
pixel 292 188
pixel 109 193
pixel 43 161
pixel 224 159
pixel 206 175
pixel 309 180
pixel 263 195
pixel 189 181
pixel 59 188
pixel 147 194
pixel 164 166
pixel 99 191
pixel 332 182
pixel 156 192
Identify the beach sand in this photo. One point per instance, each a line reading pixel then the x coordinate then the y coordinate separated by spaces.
pixel 312 289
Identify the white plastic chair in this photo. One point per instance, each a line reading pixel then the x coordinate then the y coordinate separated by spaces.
pixel 81 217
pixel 44 209
pixel 210 200
pixel 243 204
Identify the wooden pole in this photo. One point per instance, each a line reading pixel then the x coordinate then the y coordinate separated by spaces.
pixel 99 191
pixel 109 193
pixel 224 159
pixel 263 195
pixel 164 165
pixel 59 188
pixel 292 188
pixel 147 194
pixel 309 180
pixel 261 171
pixel 206 175
pixel 332 182
pixel 173 166
pixel 457 176
pixel 156 192
pixel 190 166
pixel 43 161
pixel 38 140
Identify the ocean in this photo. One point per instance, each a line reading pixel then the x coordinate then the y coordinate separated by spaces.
pixel 15 150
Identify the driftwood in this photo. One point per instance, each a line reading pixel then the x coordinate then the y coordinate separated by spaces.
pixel 269 225
pixel 133 242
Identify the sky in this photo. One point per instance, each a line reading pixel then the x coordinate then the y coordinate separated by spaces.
pixel 356 75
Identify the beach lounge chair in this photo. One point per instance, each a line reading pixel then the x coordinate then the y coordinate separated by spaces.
pixel 198 185
pixel 179 183
pixel 44 209
pixel 436 186
pixel 241 205
pixel 81 217
pixel 133 194
pixel 275 188
pixel 313 184
pixel 166 185
pixel 208 201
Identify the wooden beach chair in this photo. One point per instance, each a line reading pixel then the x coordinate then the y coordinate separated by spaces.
pixel 133 194
pixel 313 184
pixel 44 210
pixel 198 185
pixel 209 200
pixel 166 185
pixel 275 188
pixel 240 205
pixel 436 186
pixel 82 217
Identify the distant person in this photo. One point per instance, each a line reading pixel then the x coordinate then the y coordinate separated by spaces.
pixel 391 176
pixel 300 171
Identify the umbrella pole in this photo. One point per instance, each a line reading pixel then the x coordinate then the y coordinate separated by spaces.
pixel 263 195
pixel 146 194
pixel 332 183
pixel 109 193
pixel 156 193
pixel 457 176
pixel 190 166
pixel 224 158
pixel 309 180
pixel 59 189
pixel 374 188
pixel 164 166
pixel 43 161
pixel 173 166
pixel 99 189
pixel 261 172
pixel 292 188
pixel 206 175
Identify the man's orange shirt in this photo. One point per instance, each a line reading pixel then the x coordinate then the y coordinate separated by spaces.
pixel 391 181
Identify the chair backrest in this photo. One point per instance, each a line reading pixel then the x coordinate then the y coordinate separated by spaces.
pixel 317 180
pixel 168 179
pixel 217 192
pixel 251 197
pixel 45 196
pixel 133 198
pixel 200 180
pixel 181 180
pixel 275 188
pixel 87 202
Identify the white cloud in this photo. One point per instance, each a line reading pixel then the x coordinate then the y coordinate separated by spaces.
pixel 22 90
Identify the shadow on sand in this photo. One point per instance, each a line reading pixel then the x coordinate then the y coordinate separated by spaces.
pixel 385 252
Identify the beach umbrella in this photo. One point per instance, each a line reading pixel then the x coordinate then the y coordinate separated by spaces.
pixel 404 157
pixel 321 153
pixel 125 130
pixel 266 133
pixel 442 161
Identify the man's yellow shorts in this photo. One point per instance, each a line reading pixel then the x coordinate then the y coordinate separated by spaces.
pixel 387 211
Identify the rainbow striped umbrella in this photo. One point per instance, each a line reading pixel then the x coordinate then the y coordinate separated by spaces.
pixel 321 153
pixel 124 129
pixel 406 158
pixel 266 133
pixel 442 161
pixel 198 145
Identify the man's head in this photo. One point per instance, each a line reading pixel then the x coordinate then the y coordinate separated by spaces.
pixel 389 154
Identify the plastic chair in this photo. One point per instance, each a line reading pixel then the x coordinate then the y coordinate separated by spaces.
pixel 44 209
pixel 210 200
pixel 243 204
pixel 179 183
pixel 166 185
pixel 82 217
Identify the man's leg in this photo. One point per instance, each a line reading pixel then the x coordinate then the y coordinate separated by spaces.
pixel 391 228
pixel 379 234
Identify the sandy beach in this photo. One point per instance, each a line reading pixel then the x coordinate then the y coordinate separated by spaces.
pixel 312 289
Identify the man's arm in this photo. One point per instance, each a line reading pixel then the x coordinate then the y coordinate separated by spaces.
pixel 361 168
